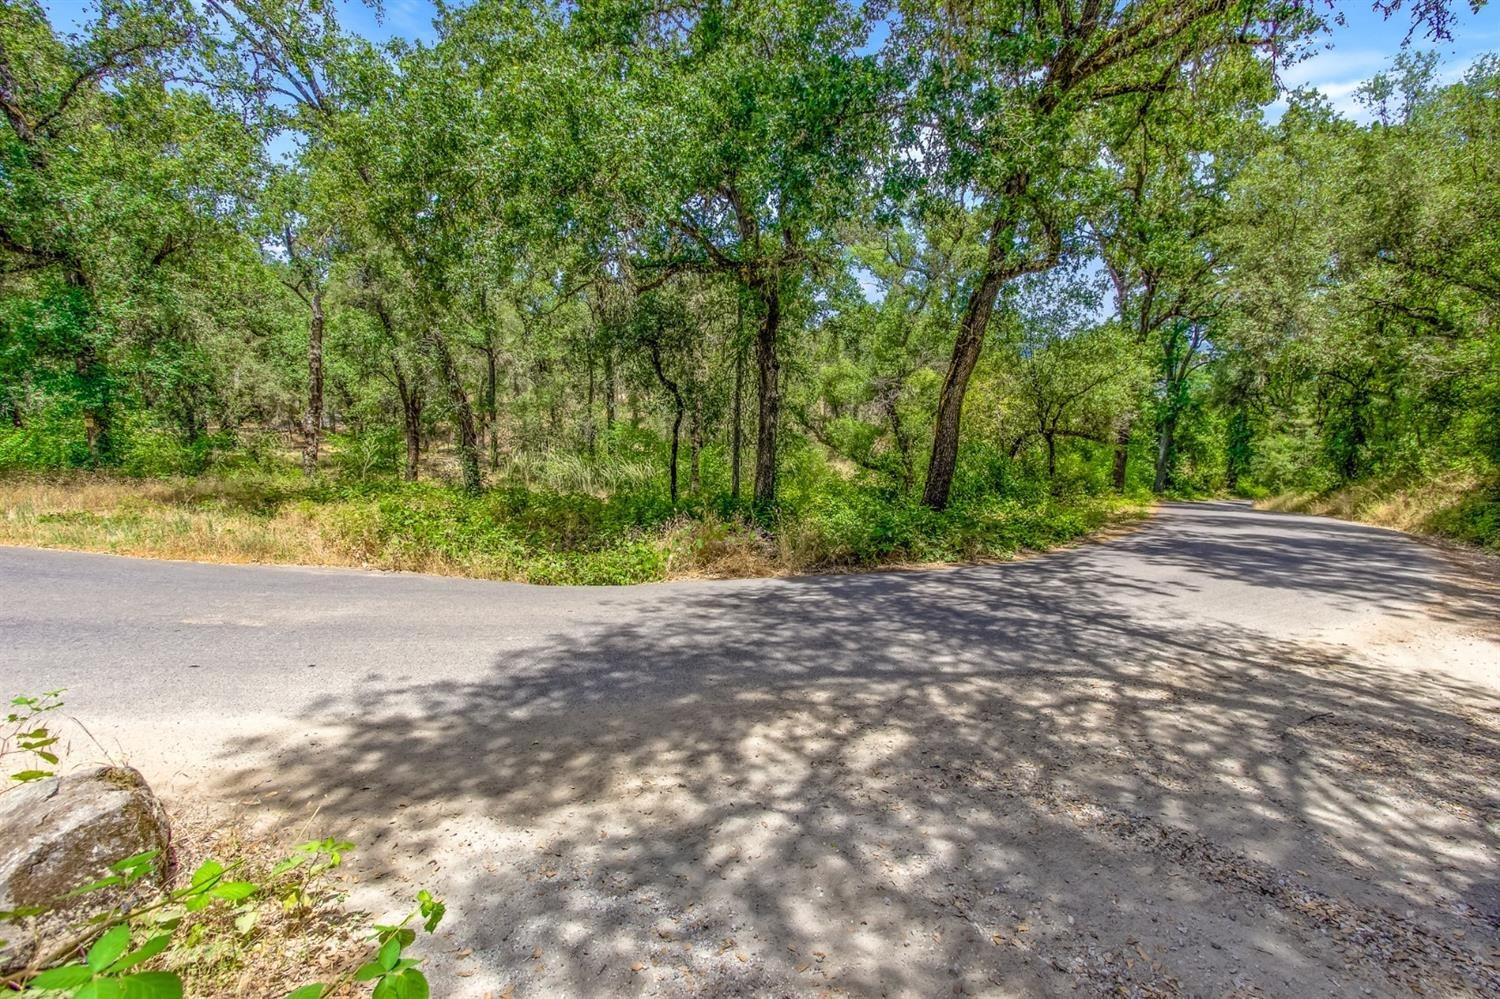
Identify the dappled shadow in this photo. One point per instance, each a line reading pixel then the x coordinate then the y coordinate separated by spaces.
pixel 1014 779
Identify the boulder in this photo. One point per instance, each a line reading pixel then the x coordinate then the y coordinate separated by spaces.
pixel 58 834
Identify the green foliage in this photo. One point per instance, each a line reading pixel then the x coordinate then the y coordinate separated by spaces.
pixel 154 932
pixel 510 532
pixel 1474 519
pixel 23 735
pixel 602 260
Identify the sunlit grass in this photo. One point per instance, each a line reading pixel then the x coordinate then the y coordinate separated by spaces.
pixel 515 533
pixel 1462 505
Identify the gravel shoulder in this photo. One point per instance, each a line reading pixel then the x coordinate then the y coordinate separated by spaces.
pixel 1231 753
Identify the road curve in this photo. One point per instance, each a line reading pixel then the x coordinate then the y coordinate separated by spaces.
pixel 896 770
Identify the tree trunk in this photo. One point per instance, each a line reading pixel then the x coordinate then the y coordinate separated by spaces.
pixel 312 420
pixel 589 433
pixel 609 389
pixel 1164 452
pixel 1051 455
pixel 737 430
pixel 92 377
pixel 413 426
pixel 695 445
pixel 672 460
pixel 768 372
pixel 96 409
pixel 411 420
pixel 468 434
pixel 654 348
pixel 966 350
pixel 1237 461
pixel 1122 456
pixel 491 408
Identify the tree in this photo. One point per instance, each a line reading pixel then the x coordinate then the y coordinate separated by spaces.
pixel 753 127
pixel 1001 103
pixel 1071 377
pixel 110 178
pixel 303 248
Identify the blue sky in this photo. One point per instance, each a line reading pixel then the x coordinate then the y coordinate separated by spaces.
pixel 1353 53
pixel 1350 54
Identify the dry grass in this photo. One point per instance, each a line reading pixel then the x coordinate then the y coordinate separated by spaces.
pixel 715 549
pixel 1417 506
pixel 285 519
pixel 175 519
pixel 285 947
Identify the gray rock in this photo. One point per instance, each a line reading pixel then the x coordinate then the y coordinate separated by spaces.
pixel 58 834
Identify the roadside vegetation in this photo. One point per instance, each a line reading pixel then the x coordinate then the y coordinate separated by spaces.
pixel 640 293
pixel 545 526
pixel 1455 505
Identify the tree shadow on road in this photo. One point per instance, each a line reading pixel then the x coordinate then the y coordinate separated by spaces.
pixel 1001 778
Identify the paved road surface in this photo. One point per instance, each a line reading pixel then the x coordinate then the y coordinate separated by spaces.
pixel 1230 750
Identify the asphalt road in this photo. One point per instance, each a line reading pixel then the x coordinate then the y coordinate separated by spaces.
pixel 756 760
pixel 156 639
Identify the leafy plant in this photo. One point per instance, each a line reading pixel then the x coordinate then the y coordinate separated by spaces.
pixel 395 976
pixel 112 966
pixel 107 971
pixel 22 735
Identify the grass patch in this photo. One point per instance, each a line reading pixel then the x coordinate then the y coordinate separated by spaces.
pixel 267 946
pixel 1458 505
pixel 518 533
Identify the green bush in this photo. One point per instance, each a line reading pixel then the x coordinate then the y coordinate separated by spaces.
pixel 368 454
pixel 1475 520
pixel 50 440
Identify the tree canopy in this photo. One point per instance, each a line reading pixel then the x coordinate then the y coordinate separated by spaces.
pixel 931 253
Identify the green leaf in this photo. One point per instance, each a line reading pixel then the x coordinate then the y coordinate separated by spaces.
pixel 27 776
pixel 152 985
pixel 144 953
pixel 207 873
pixel 245 921
pixel 410 984
pixel 234 891
pixel 403 933
pixel 66 977
pixel 92 886
pixel 390 953
pixel 108 948
pixel 369 971
pixel 136 862
pixel 291 863
pixel 432 910
pixel 313 991
pixel 101 988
